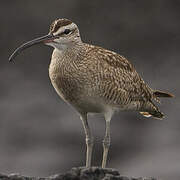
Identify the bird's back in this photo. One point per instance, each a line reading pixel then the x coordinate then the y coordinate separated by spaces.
pixel 117 81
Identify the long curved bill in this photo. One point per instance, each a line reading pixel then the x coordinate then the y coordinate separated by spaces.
pixel 43 39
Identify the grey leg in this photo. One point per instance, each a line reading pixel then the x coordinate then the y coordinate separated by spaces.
pixel 106 144
pixel 106 141
pixel 89 140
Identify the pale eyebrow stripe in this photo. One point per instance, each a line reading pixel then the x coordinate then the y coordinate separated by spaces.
pixel 72 30
pixel 70 26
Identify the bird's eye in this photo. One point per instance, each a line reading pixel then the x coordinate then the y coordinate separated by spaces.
pixel 67 31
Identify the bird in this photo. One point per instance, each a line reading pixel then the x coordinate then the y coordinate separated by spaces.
pixel 94 80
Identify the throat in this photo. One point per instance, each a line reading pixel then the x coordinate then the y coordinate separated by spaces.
pixel 72 50
pixel 61 47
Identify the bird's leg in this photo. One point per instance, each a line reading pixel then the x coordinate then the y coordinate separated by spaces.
pixel 89 140
pixel 106 141
pixel 106 144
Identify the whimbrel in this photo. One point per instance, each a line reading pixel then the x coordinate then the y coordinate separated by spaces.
pixel 94 80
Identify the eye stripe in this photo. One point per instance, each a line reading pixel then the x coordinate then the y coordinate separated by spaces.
pixel 62 33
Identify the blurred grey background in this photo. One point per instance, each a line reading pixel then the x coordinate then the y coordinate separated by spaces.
pixel 41 135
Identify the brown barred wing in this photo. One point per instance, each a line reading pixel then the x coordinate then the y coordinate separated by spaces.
pixel 118 81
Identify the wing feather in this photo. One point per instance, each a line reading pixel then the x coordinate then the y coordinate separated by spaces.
pixel 118 82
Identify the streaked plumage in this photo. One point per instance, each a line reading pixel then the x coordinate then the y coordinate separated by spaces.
pixel 93 79
pixel 88 73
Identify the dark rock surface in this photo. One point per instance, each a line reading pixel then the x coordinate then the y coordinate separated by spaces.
pixel 79 173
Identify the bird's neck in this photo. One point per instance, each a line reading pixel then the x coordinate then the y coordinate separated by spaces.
pixel 64 46
pixel 70 51
pixel 67 55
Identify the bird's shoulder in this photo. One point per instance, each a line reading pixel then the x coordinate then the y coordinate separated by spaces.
pixel 108 57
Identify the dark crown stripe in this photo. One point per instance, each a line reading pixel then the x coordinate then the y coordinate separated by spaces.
pixel 59 23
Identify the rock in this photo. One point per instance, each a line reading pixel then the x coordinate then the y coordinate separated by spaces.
pixel 79 173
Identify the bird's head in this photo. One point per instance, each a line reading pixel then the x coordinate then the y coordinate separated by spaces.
pixel 66 33
pixel 63 33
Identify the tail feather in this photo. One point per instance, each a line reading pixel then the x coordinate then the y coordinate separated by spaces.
pixel 162 94
pixel 145 114
pixel 155 114
pixel 150 109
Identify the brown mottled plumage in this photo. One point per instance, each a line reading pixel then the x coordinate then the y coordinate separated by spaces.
pixel 94 80
pixel 109 75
